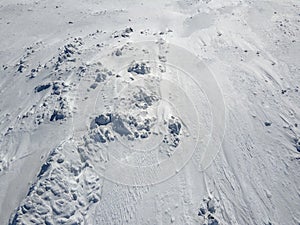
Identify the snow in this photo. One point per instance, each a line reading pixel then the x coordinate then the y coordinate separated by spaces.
pixel 156 112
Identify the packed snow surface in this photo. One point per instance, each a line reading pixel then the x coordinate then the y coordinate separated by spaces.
pixel 150 112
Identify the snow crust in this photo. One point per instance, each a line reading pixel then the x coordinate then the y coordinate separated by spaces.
pixel 149 112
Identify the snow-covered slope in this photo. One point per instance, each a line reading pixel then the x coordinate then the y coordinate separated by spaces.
pixel 154 112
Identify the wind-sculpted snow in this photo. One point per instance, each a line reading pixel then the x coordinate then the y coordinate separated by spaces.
pixel 115 113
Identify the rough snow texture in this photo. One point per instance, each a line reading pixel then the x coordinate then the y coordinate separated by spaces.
pixel 82 96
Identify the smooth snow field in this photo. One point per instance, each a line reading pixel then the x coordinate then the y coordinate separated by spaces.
pixel 150 112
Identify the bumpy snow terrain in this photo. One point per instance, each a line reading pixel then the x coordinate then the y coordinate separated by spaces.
pixel 150 112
